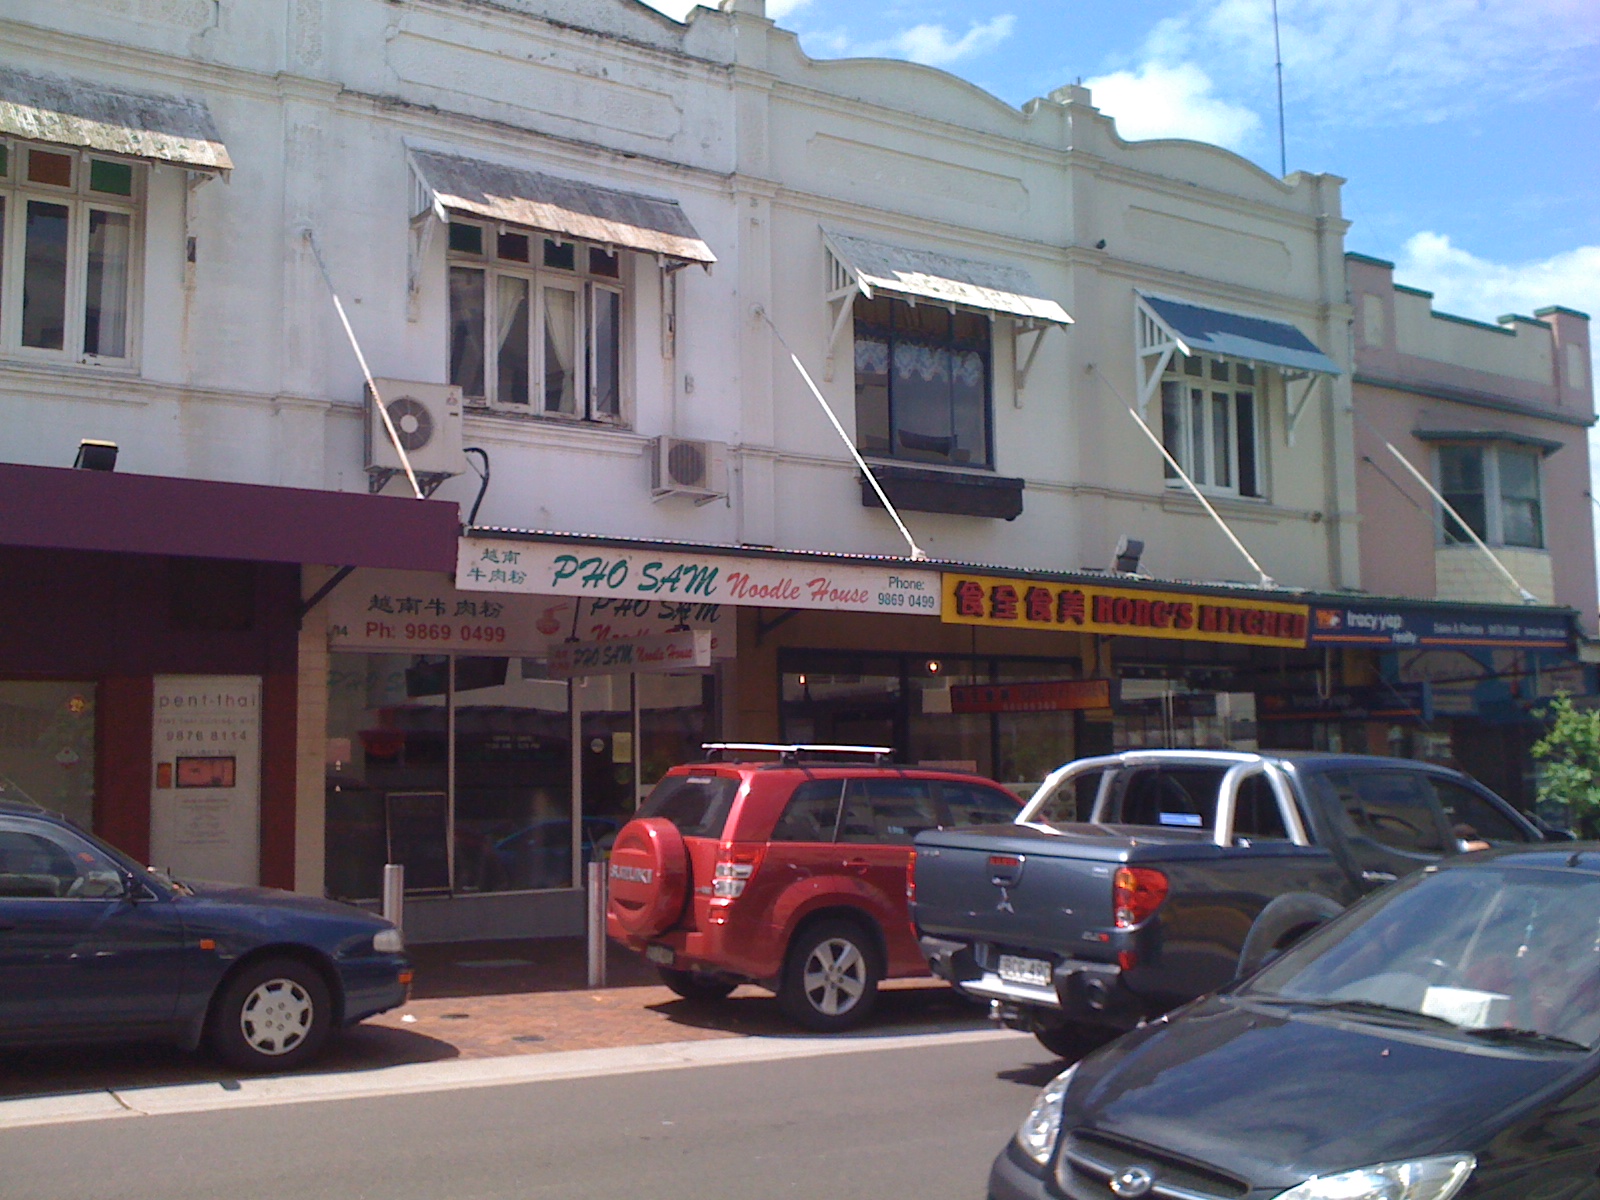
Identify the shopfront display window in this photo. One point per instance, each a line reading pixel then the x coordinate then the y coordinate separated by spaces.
pixel 47 746
pixel 934 711
pixel 476 754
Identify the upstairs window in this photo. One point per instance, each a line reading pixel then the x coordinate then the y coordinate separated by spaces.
pixel 68 229
pixel 1211 424
pixel 1496 490
pixel 922 382
pixel 535 323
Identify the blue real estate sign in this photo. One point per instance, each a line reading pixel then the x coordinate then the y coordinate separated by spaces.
pixel 1415 627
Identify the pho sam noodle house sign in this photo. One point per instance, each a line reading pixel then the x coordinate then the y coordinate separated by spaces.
pixel 683 651
pixel 413 612
pixel 493 565
pixel 1089 608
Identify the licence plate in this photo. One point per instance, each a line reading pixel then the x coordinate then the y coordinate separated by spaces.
pixel 659 954
pixel 1014 969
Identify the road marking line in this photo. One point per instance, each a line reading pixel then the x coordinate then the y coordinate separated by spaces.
pixel 418 1078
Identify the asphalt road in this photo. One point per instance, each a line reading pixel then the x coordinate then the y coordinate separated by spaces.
pixel 918 1116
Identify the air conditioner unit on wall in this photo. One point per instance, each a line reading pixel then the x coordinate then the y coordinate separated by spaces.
pixel 427 418
pixel 684 467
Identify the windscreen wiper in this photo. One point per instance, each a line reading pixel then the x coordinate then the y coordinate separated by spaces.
pixel 1361 1008
pixel 1526 1037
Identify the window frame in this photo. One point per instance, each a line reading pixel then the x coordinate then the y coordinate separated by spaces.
pixel 1494 499
pixel 951 344
pixel 1243 379
pixel 582 282
pixel 81 201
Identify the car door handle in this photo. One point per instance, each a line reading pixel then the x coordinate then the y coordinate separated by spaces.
pixel 1378 877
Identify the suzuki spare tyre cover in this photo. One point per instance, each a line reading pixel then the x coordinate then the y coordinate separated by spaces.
pixel 648 876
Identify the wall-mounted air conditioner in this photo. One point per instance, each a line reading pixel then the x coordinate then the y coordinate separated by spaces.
pixel 685 467
pixel 427 418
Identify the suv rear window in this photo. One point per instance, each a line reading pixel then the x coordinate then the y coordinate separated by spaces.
pixel 697 804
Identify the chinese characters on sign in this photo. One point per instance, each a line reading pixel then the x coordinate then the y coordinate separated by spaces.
pixel 566 570
pixel 1089 608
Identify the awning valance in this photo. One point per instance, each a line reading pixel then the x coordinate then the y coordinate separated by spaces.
pixel 93 116
pixel 64 509
pixel 929 275
pixel 565 207
pixel 1201 330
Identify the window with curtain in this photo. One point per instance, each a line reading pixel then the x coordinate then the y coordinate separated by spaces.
pixel 68 229
pixel 922 382
pixel 535 325
pixel 1211 423
pixel 1496 491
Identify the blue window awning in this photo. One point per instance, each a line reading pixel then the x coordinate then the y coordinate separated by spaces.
pixel 1201 330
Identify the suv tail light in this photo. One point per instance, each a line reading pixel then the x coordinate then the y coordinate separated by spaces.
pixel 911 878
pixel 1136 893
pixel 733 870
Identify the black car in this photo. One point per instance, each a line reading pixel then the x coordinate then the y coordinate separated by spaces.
pixel 1441 1037
pixel 94 946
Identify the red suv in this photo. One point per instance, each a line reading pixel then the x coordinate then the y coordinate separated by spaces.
pixel 786 866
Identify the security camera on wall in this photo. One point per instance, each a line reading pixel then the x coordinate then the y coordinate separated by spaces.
pixel 1126 559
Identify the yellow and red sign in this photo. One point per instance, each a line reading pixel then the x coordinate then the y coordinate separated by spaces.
pixel 1089 608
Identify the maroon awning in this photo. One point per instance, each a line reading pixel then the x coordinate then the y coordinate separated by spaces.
pixel 67 509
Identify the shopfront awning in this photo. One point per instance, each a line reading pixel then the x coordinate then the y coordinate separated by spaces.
pixel 65 509
pixel 93 116
pixel 566 207
pixel 929 275
pixel 1200 330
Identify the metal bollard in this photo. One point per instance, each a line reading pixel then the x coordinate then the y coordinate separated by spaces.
pixel 597 924
pixel 394 893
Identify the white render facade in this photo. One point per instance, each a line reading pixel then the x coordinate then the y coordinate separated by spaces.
pixel 238 368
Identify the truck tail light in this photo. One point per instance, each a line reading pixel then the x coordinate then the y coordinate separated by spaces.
pixel 1136 893
pixel 733 870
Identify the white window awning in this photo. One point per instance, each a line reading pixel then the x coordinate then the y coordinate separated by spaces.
pixel 565 207
pixel 1200 330
pixel 928 275
pixel 93 116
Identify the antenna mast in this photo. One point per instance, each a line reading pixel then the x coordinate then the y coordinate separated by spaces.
pixel 1277 47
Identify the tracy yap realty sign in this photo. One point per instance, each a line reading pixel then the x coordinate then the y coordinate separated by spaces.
pixel 566 569
pixel 1401 626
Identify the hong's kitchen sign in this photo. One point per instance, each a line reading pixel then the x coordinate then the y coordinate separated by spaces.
pixel 1080 608
pixel 565 569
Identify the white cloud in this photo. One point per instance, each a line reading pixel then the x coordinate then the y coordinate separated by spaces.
pixel 777 10
pixel 931 45
pixel 1372 61
pixel 1171 101
pixel 1469 286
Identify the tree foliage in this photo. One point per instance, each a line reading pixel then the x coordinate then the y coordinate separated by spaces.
pixel 1569 758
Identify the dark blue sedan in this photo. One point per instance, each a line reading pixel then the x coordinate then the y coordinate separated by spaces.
pixel 94 947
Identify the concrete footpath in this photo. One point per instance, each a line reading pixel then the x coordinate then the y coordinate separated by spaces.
pixel 473 1003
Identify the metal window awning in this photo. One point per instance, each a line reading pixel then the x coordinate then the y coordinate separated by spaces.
pixel 1200 330
pixel 1545 446
pixel 928 275
pixel 565 207
pixel 93 116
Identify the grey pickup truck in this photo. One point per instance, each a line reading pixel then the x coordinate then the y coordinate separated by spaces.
pixel 1133 883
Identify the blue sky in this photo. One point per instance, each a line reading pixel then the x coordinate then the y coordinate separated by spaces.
pixel 1469 130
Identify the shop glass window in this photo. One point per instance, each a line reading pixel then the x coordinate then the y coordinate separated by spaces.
pixel 541 337
pixel 47 746
pixel 887 811
pixel 812 814
pixel 1496 491
pixel 68 232
pixel 1211 419
pixel 922 382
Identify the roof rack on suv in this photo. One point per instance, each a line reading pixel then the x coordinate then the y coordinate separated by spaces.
pixel 790 753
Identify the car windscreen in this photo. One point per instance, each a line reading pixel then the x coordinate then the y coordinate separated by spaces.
pixel 1486 949
pixel 697 804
